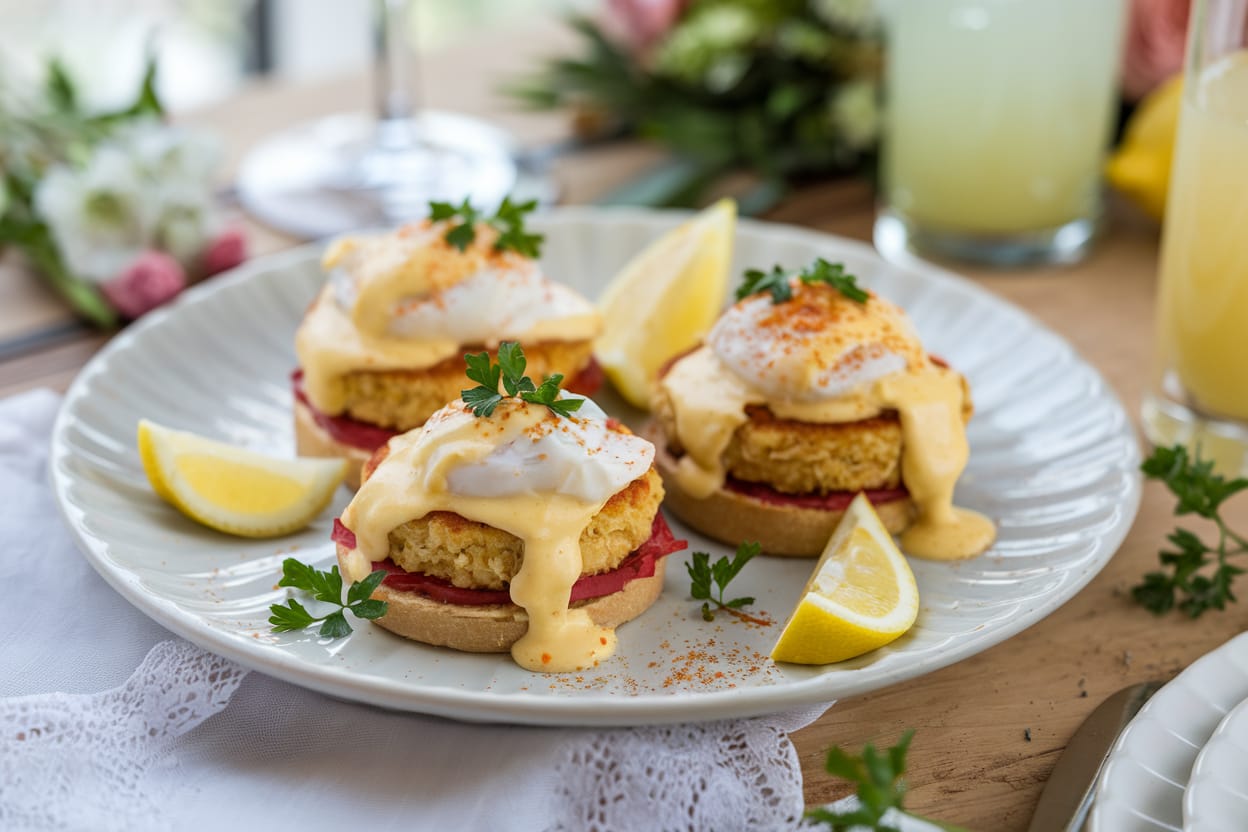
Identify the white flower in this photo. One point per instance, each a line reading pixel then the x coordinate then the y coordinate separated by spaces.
pixel 855 114
pixel 170 154
pixel 852 15
pixel 185 219
pixel 101 216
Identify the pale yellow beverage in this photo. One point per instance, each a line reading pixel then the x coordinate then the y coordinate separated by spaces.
pixel 998 111
pixel 1203 300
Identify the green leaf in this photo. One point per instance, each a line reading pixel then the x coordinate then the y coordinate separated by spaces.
pixel 835 276
pixel 775 281
pixel 746 551
pixel 566 407
pixel 297 574
pixel 513 363
pixel 293 616
pixel 482 370
pixel 370 609
pixel 327 586
pixel 335 626
pixel 481 400
pixel 363 590
pixel 699 576
pixel 60 88
pixel 462 236
pixel 737 603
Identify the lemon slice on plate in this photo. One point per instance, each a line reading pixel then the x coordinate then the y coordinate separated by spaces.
pixel 861 596
pixel 665 299
pixel 234 490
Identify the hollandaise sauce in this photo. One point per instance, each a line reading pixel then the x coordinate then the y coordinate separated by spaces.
pixel 408 300
pixel 822 358
pixel 505 471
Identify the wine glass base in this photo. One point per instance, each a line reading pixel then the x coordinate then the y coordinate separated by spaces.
pixel 1169 422
pixel 349 171
pixel 899 241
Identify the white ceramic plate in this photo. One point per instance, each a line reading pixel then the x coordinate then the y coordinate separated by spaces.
pixel 1053 462
pixel 1142 785
pixel 1216 799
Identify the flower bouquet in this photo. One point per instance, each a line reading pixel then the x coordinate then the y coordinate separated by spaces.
pixel 785 89
pixel 113 209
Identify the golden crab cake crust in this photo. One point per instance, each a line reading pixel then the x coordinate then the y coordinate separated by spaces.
pixel 404 399
pixel 806 457
pixel 476 556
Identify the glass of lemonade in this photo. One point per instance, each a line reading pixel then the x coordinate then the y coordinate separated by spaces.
pixel 1199 395
pixel 998 114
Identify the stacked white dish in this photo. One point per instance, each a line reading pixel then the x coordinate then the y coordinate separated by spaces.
pixel 1181 763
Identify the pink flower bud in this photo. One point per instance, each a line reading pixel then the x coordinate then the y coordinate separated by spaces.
pixel 152 279
pixel 225 251
pixel 641 23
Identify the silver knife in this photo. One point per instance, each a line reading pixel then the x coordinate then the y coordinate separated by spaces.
pixel 1067 797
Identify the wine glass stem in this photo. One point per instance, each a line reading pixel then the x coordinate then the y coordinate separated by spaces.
pixel 395 62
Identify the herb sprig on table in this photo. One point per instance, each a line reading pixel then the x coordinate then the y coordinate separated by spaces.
pixel 508 221
pixel 1186 579
pixel 777 282
pixel 880 778
pixel 510 367
pixel 702 573
pixel 327 587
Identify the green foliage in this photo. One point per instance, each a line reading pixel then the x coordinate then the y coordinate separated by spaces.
pixel 702 573
pixel 326 587
pixel 1186 579
pixel 735 84
pixel 777 281
pixel 881 789
pixel 483 398
pixel 508 221
pixel 35 135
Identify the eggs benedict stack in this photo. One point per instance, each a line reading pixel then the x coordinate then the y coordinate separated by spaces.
pixel 805 392
pixel 521 520
pixel 379 349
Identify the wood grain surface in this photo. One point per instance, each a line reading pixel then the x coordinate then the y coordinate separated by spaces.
pixel 971 762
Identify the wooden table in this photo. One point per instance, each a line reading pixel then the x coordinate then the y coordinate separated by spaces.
pixel 989 729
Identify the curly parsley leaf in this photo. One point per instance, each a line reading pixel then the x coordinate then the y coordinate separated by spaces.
pixel 778 281
pixel 510 370
pixel 881 789
pixel 834 275
pixel 775 281
pixel 702 573
pixel 1195 576
pixel 326 587
pixel 508 221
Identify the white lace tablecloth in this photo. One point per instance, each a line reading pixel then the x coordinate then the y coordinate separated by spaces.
pixel 109 722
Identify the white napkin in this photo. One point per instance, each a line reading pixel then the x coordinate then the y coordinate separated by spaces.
pixel 108 721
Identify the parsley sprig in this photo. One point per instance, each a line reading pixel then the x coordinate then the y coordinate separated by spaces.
pixel 880 778
pixel 702 573
pixel 777 281
pixel 483 398
pixel 327 587
pixel 1186 578
pixel 508 221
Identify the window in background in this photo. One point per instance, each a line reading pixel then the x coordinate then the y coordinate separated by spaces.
pixel 207 48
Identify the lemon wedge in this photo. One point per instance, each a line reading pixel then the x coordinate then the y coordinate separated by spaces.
pixel 1140 167
pixel 234 490
pixel 861 596
pixel 665 299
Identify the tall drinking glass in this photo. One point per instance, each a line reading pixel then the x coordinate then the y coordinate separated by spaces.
pixel 998 114
pixel 1199 395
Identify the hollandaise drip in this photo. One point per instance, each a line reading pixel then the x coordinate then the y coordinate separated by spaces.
pixel 708 402
pixel 412 482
